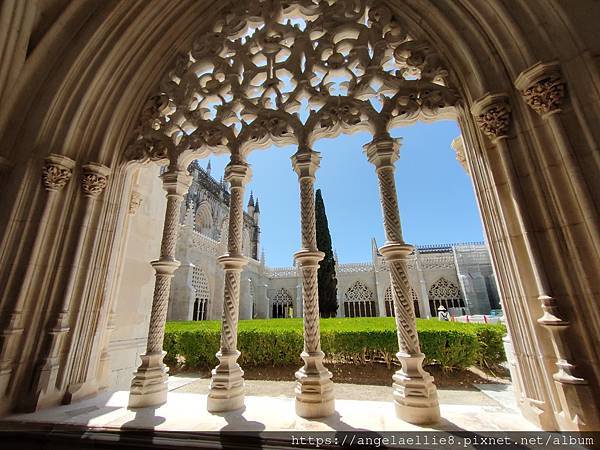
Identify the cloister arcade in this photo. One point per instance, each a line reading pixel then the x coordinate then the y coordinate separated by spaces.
pixel 169 82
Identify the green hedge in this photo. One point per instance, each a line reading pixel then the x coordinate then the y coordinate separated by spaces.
pixel 360 340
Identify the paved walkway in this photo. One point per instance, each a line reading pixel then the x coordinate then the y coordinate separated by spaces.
pixel 270 407
pixel 489 396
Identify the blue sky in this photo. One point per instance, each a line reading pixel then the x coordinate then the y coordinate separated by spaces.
pixel 435 195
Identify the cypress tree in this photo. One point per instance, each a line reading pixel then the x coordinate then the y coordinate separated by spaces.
pixel 327 280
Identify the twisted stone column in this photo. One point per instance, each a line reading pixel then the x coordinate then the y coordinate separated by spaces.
pixel 227 385
pixel 149 385
pixel 314 388
pixel 415 394
pixel 492 114
pixel 56 173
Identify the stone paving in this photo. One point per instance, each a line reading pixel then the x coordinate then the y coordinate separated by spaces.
pixel 270 407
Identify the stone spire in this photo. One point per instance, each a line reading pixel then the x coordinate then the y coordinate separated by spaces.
pixel 208 168
pixel 256 207
pixel 251 208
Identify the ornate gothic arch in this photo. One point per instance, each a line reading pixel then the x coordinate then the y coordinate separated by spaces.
pixel 204 217
pixel 111 54
pixel 291 73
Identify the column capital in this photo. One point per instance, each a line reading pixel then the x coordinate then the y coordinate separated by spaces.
pixel 176 182
pixel 232 262
pixel 383 152
pixel 395 251
pixel 237 173
pixel 306 162
pixel 94 179
pixel 57 172
pixel 492 115
pixel 543 87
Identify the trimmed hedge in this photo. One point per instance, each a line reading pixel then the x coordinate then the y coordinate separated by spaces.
pixel 278 342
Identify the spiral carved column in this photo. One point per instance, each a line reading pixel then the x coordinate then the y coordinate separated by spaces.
pixel 415 394
pixel 227 385
pixel 56 174
pixel 314 388
pixel 149 385
pixel 492 114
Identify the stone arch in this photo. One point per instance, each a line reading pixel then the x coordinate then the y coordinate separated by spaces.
pixel 124 47
pixel 358 301
pixel 201 294
pixel 224 231
pixel 282 304
pixel 204 217
pixel 444 293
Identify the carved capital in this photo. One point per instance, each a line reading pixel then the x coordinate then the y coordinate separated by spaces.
pixel 176 182
pixel 94 179
pixel 383 152
pixel 542 87
pixel 492 114
pixel 306 162
pixel 237 173
pixel 57 172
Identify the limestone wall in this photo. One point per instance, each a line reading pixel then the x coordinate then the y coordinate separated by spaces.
pixel 134 294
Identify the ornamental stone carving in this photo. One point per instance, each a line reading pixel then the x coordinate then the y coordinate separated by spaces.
pixel 135 201
pixel 492 114
pixel 543 87
pixel 274 72
pixel 57 172
pixel 94 179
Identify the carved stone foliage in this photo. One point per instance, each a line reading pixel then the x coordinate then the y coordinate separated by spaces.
pixel 495 120
pixel 55 176
pixel 289 73
pixel 135 201
pixel 93 184
pixel 546 95
pixel 492 114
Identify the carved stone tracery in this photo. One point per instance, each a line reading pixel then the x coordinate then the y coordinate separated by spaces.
pixel 289 73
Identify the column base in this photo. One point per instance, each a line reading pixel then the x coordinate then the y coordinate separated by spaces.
pixel 314 388
pixel 226 391
pixel 415 394
pixel 149 384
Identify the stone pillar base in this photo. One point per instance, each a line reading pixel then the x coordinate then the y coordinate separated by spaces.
pixel 149 384
pixel 314 388
pixel 226 391
pixel 415 394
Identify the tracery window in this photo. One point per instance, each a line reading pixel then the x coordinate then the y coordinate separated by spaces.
pixel 291 72
pixel 389 302
pixel 202 294
pixel 359 301
pixel 282 304
pixel 204 218
pixel 444 293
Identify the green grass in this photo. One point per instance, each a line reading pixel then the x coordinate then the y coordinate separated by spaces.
pixel 279 341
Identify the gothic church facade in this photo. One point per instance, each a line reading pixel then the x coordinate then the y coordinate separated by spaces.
pixel 457 276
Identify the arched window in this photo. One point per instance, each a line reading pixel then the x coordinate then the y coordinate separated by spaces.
pixel 200 285
pixel 359 301
pixel 224 231
pixel 444 293
pixel 389 302
pixel 204 219
pixel 282 304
